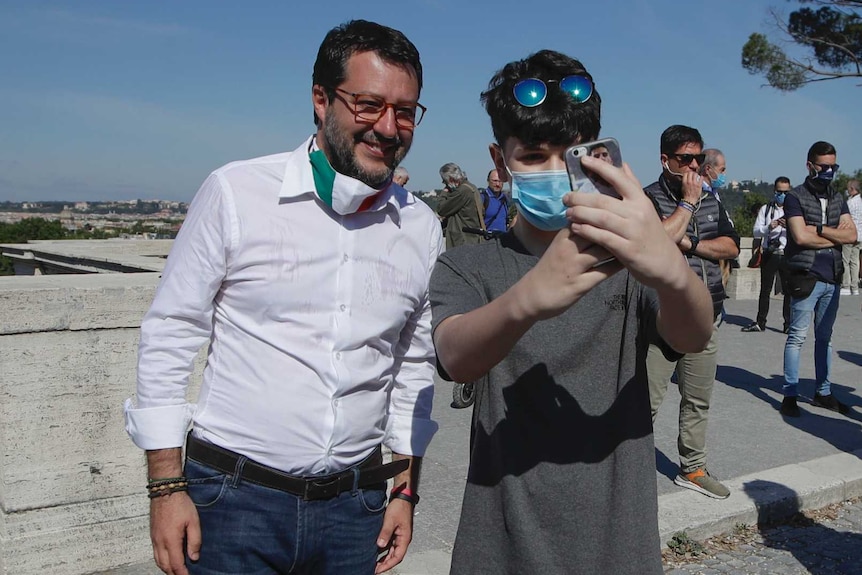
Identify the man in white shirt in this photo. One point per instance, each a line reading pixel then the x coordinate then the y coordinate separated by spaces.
pixel 850 252
pixel 307 274
pixel 771 228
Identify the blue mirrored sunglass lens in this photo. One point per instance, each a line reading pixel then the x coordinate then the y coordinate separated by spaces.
pixel 530 92
pixel 578 87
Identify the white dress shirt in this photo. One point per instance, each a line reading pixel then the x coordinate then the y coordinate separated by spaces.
pixel 768 212
pixel 854 205
pixel 319 325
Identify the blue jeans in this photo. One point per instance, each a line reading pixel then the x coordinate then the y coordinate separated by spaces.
pixel 254 530
pixel 822 303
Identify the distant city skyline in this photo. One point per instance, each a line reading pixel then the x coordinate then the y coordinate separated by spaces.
pixel 125 100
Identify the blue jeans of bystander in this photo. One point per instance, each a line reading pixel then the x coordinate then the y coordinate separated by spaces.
pixel 822 304
pixel 254 530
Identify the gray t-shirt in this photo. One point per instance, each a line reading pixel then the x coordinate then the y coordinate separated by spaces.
pixel 562 460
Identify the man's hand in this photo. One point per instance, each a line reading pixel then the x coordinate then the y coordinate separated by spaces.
pixel 174 523
pixel 567 270
pixel 691 187
pixel 628 227
pixel 776 223
pixel 395 535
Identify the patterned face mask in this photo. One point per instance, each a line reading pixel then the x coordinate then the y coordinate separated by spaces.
pixel 345 195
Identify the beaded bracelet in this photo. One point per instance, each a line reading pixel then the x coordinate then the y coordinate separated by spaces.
pixel 176 488
pixel 166 486
pixel 687 205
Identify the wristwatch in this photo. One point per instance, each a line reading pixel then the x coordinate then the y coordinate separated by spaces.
pixel 694 241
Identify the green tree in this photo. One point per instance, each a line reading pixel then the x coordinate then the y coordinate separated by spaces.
pixel 745 214
pixel 829 38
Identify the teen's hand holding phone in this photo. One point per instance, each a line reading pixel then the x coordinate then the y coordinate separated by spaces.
pixel 626 225
pixel 629 228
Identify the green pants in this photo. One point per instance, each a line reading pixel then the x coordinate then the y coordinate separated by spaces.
pixel 695 377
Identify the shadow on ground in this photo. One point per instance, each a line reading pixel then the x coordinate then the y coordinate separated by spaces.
pixel 843 432
pixel 820 549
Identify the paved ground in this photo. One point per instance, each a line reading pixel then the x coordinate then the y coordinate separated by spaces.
pixel 774 466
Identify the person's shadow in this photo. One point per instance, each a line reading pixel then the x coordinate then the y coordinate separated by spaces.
pixel 820 549
pixel 843 433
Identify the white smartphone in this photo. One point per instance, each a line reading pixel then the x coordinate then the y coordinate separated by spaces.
pixel 583 180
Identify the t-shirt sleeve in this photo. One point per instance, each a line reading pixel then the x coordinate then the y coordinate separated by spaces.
pixel 845 209
pixel 792 207
pixel 452 292
pixel 648 308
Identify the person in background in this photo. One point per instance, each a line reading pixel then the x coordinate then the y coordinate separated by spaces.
pixel 697 222
pixel 459 205
pixel 306 273
pixel 850 252
pixel 495 204
pixel 771 227
pixel 400 176
pixel 818 225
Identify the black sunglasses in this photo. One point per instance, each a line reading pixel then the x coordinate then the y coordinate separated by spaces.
pixel 827 167
pixel 685 159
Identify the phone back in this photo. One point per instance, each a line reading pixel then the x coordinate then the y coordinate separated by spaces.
pixel 582 180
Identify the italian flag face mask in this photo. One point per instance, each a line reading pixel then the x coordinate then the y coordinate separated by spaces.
pixel 345 195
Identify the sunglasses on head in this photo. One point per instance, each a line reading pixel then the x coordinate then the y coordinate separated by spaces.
pixel 531 92
pixel 685 159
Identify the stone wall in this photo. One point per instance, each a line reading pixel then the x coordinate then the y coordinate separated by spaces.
pixel 72 496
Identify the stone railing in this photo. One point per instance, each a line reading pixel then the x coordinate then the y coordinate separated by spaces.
pixel 72 496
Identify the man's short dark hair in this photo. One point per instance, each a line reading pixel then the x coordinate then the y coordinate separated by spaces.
pixel 781 180
pixel 559 120
pixel 677 136
pixel 820 149
pixel 359 36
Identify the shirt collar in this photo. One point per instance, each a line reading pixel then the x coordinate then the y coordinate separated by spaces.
pixel 298 180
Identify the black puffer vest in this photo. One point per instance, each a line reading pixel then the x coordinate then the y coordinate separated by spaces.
pixel 797 257
pixel 704 225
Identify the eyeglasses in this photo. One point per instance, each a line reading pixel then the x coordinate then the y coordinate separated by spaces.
pixel 368 109
pixel 685 159
pixel 826 167
pixel 531 92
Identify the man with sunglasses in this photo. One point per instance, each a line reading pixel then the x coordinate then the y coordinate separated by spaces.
pixel 307 274
pixel 771 227
pixel 818 225
pixel 551 320
pixel 697 222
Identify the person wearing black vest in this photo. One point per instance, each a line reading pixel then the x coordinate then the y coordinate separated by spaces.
pixel 696 220
pixel 818 225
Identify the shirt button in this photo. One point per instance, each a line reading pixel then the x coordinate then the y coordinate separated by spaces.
pixel 346 257
pixel 335 402
pixel 338 355
pixel 343 307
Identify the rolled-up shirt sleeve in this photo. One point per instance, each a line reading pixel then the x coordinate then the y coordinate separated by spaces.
pixel 179 321
pixel 409 426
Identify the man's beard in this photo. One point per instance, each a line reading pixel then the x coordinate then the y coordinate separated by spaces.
pixel 343 159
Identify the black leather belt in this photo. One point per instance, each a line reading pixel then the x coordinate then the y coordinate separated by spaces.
pixel 371 471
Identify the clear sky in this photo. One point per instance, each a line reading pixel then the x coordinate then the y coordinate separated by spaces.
pixel 122 100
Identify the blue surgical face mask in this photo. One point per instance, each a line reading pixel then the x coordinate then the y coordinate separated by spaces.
pixel 779 198
pixel 719 181
pixel 540 197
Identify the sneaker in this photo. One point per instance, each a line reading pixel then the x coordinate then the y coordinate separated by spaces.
pixel 846 291
pixel 701 481
pixel 830 403
pixel 754 327
pixel 789 407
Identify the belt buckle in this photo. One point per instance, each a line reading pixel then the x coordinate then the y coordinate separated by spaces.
pixel 317 490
